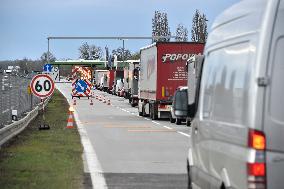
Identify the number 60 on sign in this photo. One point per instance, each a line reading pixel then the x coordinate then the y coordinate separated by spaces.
pixel 42 85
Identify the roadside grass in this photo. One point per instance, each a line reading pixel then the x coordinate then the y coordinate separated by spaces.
pixel 47 158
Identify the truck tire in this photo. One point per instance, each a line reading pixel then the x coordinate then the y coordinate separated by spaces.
pixel 178 121
pixel 143 112
pixel 188 123
pixel 153 112
pixel 172 120
pixel 140 114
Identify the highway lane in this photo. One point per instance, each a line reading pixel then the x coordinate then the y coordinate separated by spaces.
pixel 133 151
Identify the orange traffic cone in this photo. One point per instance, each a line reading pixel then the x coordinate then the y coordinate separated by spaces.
pixel 91 103
pixel 108 102
pixel 70 121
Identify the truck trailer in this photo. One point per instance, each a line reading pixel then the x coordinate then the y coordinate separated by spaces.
pixel 133 78
pixel 162 71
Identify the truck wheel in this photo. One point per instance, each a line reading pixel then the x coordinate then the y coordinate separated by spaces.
pixel 188 123
pixel 178 121
pixel 140 114
pixel 172 120
pixel 143 112
pixel 132 104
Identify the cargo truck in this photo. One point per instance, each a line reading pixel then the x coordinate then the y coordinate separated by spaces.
pixel 98 74
pixel 133 77
pixel 162 71
pixel 110 81
pixel 118 81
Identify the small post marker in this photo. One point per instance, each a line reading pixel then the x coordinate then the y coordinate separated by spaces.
pixel 108 102
pixel 74 102
pixel 91 102
pixel 104 100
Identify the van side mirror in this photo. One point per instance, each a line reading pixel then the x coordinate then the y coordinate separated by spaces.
pixel 194 78
pixel 180 103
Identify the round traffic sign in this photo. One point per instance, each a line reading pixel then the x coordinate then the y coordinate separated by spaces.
pixel 42 85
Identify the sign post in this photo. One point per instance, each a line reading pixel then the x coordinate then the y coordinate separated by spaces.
pixel 42 86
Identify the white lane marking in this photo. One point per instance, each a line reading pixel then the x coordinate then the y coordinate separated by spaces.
pixel 146 118
pixel 156 122
pixel 98 180
pixel 167 127
pixel 183 134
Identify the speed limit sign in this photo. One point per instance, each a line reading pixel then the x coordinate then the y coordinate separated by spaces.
pixel 42 85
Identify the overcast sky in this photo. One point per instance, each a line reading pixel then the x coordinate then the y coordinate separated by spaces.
pixel 25 24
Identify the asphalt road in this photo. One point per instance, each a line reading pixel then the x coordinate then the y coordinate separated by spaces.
pixel 133 151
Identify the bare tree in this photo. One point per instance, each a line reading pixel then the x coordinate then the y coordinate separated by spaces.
pixel 199 27
pixel 160 26
pixel 181 33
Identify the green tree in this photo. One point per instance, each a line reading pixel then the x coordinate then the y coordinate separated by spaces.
pixel 90 52
pixel 47 56
pixel 160 26
pixel 119 53
pixel 199 27
pixel 181 33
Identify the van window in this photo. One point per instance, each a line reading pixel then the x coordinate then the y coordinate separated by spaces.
pixel 181 100
pixel 277 75
pixel 225 84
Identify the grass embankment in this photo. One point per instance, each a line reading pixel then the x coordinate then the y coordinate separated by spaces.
pixel 46 158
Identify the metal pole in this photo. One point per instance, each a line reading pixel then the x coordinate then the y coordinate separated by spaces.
pixel 48 50
pixel 123 52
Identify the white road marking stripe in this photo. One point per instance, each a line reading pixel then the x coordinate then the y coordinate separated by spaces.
pixel 183 134
pixel 156 122
pixel 147 119
pixel 94 166
pixel 98 180
pixel 168 127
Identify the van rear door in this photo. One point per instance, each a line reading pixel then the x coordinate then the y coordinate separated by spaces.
pixel 274 106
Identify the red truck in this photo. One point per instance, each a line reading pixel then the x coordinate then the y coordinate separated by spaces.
pixel 162 71
pixel 110 81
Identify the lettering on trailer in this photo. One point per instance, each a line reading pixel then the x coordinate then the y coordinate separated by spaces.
pixel 176 56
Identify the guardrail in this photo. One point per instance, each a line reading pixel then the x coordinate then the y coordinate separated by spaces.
pixel 9 131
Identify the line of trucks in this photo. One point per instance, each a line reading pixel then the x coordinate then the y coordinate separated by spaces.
pixel 151 82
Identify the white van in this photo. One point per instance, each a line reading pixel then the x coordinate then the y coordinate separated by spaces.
pixel 237 138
